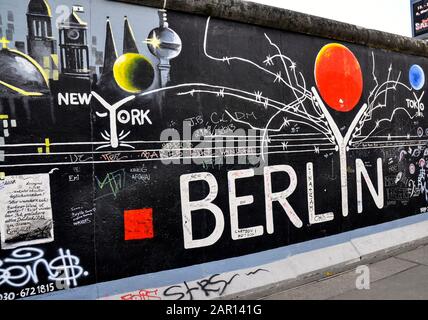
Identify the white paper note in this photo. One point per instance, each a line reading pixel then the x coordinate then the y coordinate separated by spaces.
pixel 25 211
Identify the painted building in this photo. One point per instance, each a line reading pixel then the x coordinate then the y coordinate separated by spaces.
pixel 41 45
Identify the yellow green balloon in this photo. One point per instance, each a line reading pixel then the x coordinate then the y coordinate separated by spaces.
pixel 133 72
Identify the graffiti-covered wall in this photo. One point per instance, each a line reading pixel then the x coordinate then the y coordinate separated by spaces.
pixel 136 140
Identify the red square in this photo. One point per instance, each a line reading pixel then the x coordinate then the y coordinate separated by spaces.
pixel 138 224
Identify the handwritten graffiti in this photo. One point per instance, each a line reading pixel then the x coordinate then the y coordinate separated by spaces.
pixel 113 157
pixel 142 295
pixel 140 174
pixel 211 285
pixel 76 158
pixel 115 181
pixel 149 154
pixel 25 265
pixel 256 271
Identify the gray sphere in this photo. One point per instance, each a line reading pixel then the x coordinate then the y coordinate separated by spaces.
pixel 170 43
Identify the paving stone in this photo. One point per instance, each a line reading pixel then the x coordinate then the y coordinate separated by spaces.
pixel 419 255
pixel 342 283
pixel 411 284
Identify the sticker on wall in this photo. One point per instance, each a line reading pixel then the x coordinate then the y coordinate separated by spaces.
pixel 338 77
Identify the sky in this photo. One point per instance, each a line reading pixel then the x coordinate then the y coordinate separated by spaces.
pixel 385 15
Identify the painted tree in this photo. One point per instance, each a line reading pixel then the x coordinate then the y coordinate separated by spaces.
pixel 339 83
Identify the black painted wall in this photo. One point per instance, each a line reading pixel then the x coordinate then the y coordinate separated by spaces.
pixel 205 88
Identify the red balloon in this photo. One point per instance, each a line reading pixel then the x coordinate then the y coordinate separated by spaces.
pixel 338 77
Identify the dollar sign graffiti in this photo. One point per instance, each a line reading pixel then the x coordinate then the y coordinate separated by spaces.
pixel 67 270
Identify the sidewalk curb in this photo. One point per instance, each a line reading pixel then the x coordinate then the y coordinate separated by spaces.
pixel 311 266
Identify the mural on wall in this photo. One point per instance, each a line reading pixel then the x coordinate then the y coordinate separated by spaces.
pixel 170 140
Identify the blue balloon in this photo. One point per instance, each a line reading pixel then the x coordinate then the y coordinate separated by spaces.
pixel 416 77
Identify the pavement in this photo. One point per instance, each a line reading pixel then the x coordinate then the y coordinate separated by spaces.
pixel 403 276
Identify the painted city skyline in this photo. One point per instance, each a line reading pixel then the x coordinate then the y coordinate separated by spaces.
pixel 13 26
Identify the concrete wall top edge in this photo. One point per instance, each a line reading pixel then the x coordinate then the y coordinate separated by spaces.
pixel 278 18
